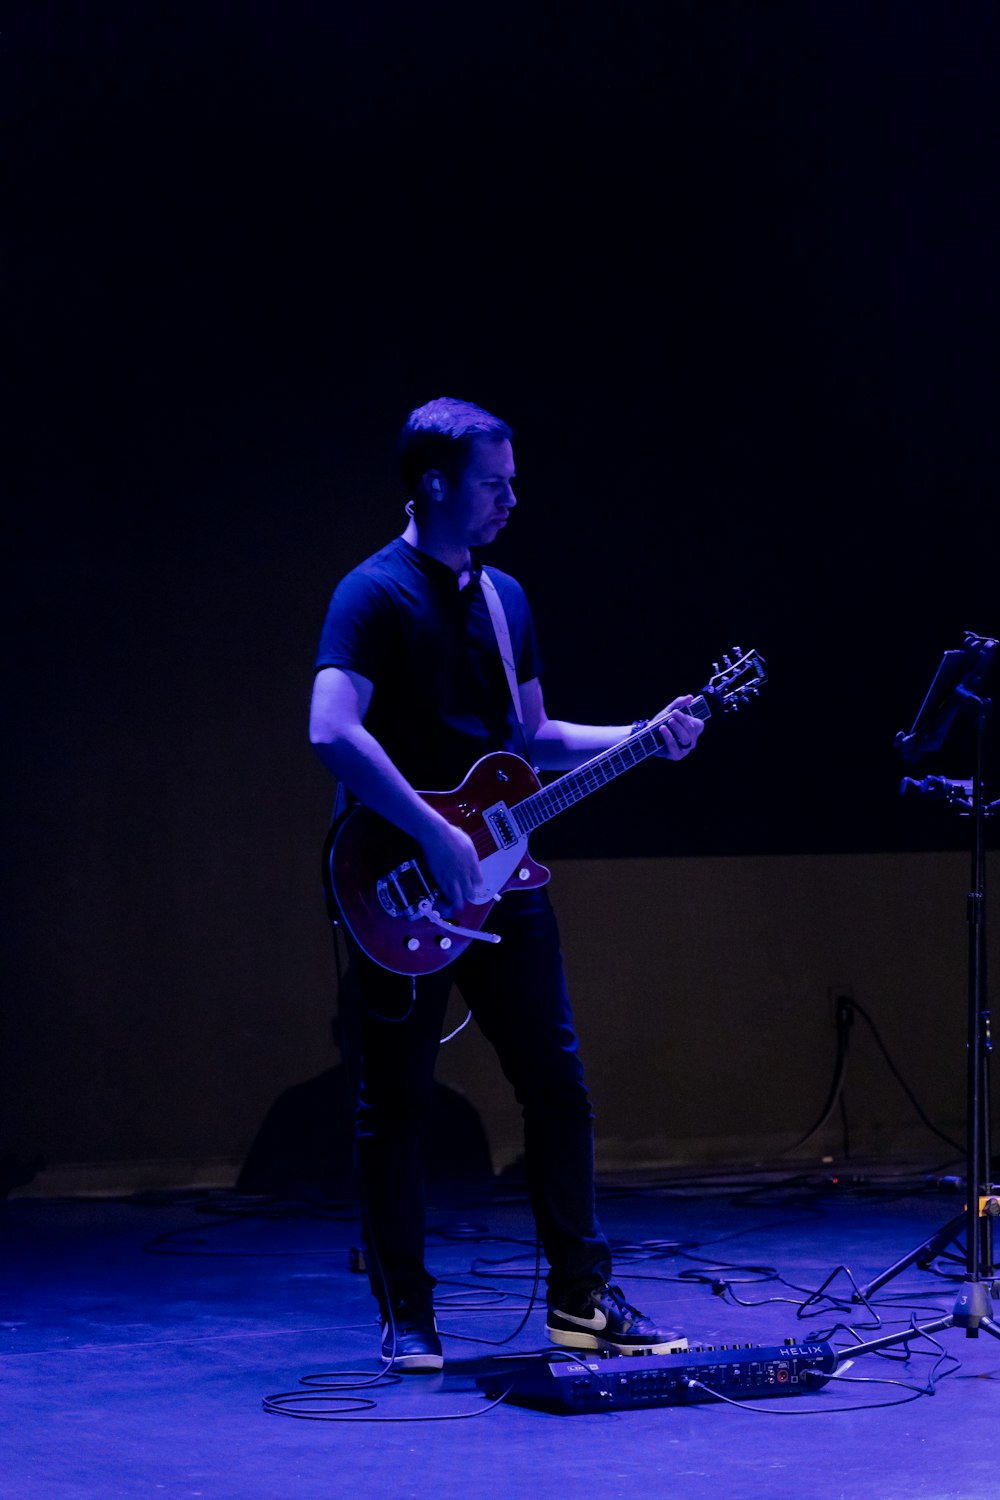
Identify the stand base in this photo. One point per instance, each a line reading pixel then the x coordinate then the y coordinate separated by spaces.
pixel 972 1311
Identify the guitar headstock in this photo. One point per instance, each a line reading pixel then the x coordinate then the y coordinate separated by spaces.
pixel 741 676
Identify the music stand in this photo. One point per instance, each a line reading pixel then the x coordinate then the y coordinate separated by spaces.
pixel 955 689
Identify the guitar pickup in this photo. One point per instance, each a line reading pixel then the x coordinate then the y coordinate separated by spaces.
pixel 501 825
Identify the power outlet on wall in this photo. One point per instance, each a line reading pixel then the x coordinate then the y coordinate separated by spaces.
pixel 835 993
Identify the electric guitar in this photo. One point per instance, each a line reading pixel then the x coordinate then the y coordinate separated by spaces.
pixel 378 875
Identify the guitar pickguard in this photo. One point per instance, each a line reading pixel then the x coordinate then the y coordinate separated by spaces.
pixel 498 869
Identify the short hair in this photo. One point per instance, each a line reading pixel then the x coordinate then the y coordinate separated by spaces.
pixel 440 435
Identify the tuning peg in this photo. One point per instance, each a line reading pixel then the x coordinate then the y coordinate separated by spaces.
pixel 715 667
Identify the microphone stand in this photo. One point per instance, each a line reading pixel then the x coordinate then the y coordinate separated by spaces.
pixel 956 688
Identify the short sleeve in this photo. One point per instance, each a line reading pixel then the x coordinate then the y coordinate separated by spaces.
pixel 360 627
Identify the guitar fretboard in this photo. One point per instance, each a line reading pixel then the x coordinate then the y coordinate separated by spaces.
pixel 575 785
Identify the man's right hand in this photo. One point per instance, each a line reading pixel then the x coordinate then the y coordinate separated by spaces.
pixel 454 866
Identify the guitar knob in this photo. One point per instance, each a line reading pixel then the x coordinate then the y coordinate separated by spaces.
pixel 444 942
pixel 413 944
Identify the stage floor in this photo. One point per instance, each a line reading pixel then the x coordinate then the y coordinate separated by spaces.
pixel 141 1338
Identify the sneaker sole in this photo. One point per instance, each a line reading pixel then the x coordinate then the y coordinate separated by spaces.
pixel 572 1339
pixel 414 1364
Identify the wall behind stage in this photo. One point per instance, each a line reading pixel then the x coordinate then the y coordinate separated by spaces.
pixel 728 268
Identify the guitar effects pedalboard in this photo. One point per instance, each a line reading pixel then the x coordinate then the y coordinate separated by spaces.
pixel 627 1381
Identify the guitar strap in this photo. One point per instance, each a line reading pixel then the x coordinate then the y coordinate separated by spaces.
pixel 502 632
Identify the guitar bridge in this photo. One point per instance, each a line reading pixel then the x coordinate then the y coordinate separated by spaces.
pixel 402 891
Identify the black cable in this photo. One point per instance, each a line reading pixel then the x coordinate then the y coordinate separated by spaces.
pixel 901 1080
pixel 837 1084
pixel 532 1299
pixel 805 1411
pixel 291 1403
pixel 846 1006
pixel 927 1389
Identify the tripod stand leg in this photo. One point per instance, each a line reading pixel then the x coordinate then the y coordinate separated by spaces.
pixel 971 1313
pixel 887 1340
pixel 921 1256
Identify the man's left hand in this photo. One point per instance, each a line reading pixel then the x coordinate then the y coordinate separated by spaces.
pixel 679 730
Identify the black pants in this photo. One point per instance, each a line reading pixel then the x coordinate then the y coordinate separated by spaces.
pixel 516 991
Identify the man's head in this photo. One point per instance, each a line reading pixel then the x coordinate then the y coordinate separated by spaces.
pixel 437 441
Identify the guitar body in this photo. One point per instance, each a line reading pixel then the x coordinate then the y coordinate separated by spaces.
pixel 379 875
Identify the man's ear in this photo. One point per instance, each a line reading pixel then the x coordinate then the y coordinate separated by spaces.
pixel 433 484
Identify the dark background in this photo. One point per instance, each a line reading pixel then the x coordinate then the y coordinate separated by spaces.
pixel 729 269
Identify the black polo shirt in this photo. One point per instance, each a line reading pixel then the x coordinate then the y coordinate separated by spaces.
pixel 441 698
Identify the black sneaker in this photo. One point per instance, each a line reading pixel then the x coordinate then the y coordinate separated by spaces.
pixel 410 1343
pixel 602 1319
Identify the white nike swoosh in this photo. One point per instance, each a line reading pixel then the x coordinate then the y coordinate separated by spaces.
pixel 596 1320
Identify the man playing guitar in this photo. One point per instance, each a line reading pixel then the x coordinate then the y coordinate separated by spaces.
pixel 410 692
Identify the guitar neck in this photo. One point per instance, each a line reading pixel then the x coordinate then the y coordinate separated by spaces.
pixel 575 785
